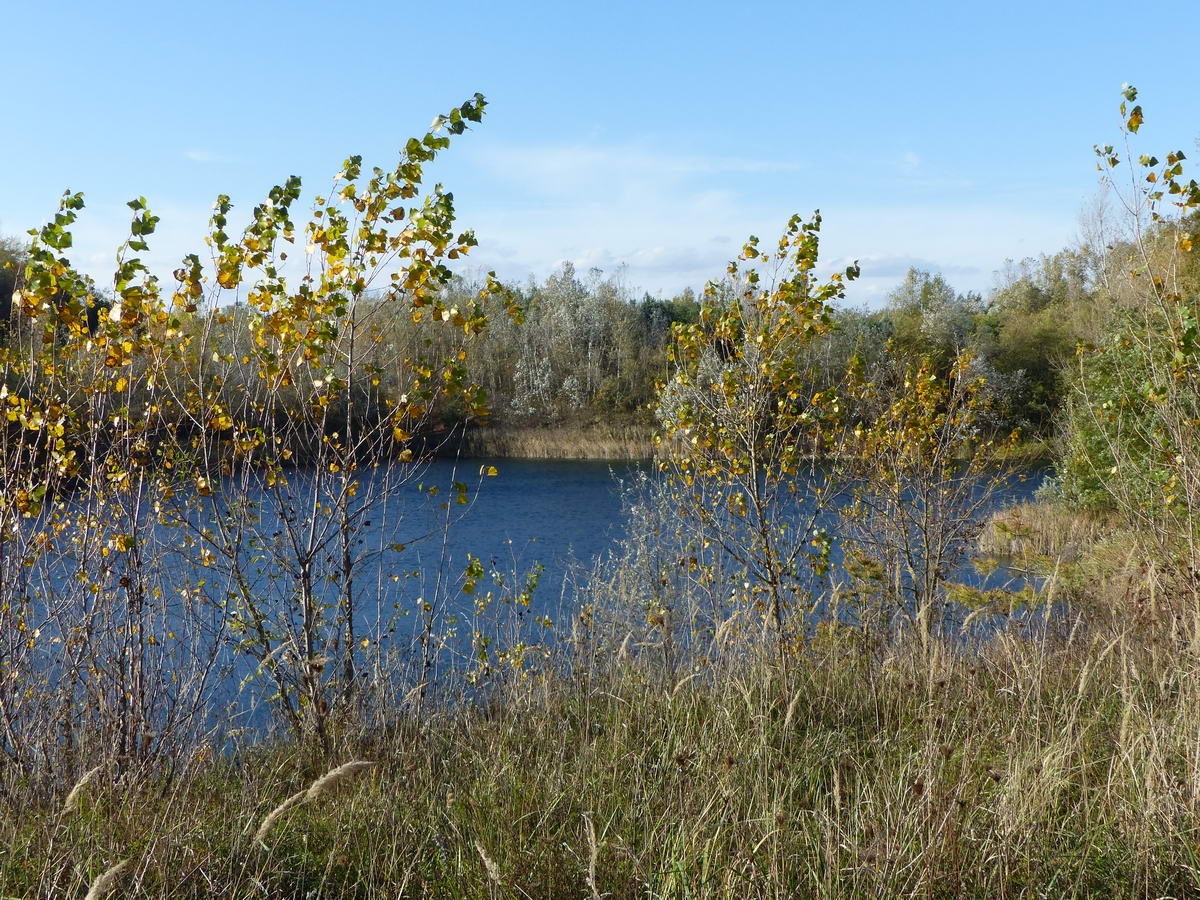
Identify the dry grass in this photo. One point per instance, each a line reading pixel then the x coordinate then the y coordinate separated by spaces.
pixel 323 784
pixel 76 792
pixel 1059 758
pixel 106 883
pixel 1064 764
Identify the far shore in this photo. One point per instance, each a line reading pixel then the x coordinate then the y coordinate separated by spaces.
pixel 596 442
pixel 617 442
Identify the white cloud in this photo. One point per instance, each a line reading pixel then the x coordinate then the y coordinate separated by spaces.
pixel 207 156
pixel 561 171
pixel 674 221
pixel 879 266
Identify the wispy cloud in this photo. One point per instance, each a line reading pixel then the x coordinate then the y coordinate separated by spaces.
pixel 562 170
pixel 910 171
pixel 672 220
pixel 200 155
pixel 669 220
pixel 876 266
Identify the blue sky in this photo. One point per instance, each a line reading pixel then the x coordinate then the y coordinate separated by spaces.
pixel 648 136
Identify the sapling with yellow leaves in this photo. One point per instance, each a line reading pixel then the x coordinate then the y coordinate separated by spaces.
pixel 744 427
pixel 923 475
pixel 215 464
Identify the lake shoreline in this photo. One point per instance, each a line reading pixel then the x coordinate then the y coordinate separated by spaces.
pixel 569 442
pixel 610 443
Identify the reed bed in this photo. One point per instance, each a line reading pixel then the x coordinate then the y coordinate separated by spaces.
pixel 607 441
pixel 1046 529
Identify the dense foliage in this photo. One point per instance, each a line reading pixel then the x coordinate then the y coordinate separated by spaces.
pixel 591 352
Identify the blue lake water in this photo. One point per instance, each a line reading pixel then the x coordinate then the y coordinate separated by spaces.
pixel 562 516
pixel 560 512
pixel 556 513
pixel 559 515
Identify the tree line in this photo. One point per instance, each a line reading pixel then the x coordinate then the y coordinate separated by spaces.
pixel 589 351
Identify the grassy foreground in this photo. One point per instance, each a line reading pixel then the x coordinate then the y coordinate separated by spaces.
pixel 1064 765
